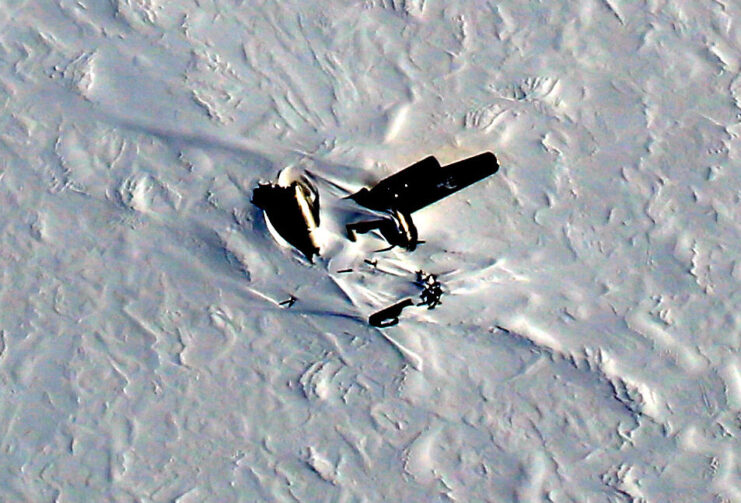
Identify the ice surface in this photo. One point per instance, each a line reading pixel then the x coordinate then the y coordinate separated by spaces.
pixel 587 347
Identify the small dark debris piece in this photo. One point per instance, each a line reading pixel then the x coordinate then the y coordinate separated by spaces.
pixel 288 303
pixel 343 271
pixel 293 211
pixel 432 289
pixel 389 316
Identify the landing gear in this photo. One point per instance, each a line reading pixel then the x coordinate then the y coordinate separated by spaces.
pixel 398 230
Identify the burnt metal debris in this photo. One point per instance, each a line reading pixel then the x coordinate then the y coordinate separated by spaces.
pixel 389 316
pixel 293 211
pixel 414 188
pixel 288 302
pixel 432 290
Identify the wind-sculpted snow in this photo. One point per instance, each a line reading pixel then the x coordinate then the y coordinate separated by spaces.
pixel 157 344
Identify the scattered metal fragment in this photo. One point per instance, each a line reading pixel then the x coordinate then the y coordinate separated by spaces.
pixel 414 188
pixel 289 302
pixel 432 289
pixel 293 211
pixel 389 316
pixel 291 208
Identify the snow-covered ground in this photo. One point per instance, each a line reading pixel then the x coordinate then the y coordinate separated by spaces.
pixel 587 346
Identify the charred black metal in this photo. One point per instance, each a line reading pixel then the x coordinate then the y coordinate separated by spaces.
pixel 432 289
pixel 414 188
pixel 289 302
pixel 425 182
pixel 389 316
pixel 293 211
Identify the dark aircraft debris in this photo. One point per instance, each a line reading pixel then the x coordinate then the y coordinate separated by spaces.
pixel 389 316
pixel 293 211
pixel 432 289
pixel 414 188
pixel 289 302
pixel 399 230
pixel 291 207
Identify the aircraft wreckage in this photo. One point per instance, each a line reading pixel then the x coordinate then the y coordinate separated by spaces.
pixel 291 208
